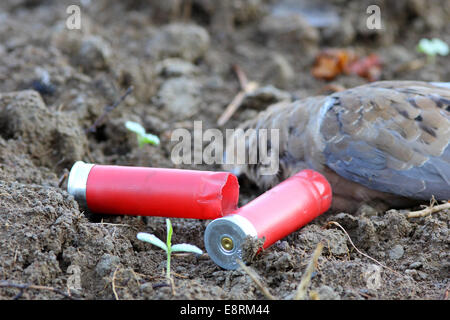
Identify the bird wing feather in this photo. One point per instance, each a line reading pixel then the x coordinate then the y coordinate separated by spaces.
pixel 391 136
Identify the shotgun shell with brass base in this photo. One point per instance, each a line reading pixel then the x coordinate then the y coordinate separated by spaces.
pixel 272 216
pixel 153 191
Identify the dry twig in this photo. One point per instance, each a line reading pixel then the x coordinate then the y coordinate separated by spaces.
pixel 429 210
pixel 113 283
pixel 23 287
pixel 62 179
pixel 172 286
pixel 246 88
pixel 256 280
pixel 445 296
pixel 306 279
pixel 108 109
pixel 360 252
pixel 113 224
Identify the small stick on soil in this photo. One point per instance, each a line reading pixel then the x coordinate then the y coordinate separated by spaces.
pixel 306 279
pixel 113 224
pixel 23 287
pixel 60 161
pixel 113 284
pixel 360 252
pixel 62 179
pixel 187 10
pixel 15 256
pixel 160 285
pixel 91 224
pixel 108 109
pixel 428 210
pixel 246 87
pixel 172 286
pixel 445 296
pixel 179 275
pixel 256 280
pixel 135 277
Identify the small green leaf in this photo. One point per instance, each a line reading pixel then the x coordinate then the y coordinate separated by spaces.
pixel 150 238
pixel 184 247
pixel 424 46
pixel 150 138
pixel 433 47
pixel 142 136
pixel 440 46
pixel 135 127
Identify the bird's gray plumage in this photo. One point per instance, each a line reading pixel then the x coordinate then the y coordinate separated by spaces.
pixel 391 137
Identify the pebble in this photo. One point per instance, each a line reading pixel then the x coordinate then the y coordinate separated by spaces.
pixel 422 275
pixel 327 293
pixel 94 53
pixel 107 264
pixel 396 252
pixel 147 287
pixel 181 97
pixel 186 41
pixel 174 67
pixel 262 97
pixel 290 31
pixel 281 71
pixel 415 265
pixel 282 245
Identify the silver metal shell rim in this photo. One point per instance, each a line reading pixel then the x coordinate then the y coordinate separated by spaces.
pixel 78 176
pixel 233 226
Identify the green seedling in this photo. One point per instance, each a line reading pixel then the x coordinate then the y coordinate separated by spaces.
pixel 168 247
pixel 432 47
pixel 142 136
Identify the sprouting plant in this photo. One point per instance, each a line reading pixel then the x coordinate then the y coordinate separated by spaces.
pixel 432 48
pixel 168 247
pixel 142 136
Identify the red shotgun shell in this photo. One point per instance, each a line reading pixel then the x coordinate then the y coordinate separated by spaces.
pixel 153 191
pixel 272 216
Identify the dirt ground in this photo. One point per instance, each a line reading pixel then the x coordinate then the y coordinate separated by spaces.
pixel 55 82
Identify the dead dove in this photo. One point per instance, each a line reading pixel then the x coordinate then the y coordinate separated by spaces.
pixel 384 142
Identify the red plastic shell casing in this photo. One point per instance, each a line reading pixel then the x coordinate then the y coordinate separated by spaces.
pixel 161 192
pixel 288 206
pixel 275 214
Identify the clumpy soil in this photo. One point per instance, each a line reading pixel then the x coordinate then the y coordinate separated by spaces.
pixel 55 82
